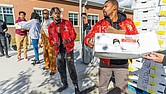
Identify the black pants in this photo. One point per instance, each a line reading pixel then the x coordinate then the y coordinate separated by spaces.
pixel 8 36
pixel 62 59
pixel 3 45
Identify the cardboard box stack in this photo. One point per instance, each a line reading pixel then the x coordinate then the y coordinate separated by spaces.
pixel 152 78
pixel 149 16
pixel 148 76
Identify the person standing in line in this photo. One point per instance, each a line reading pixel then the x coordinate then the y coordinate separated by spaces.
pixel 118 22
pixel 87 52
pixel 34 27
pixel 62 36
pixel 49 53
pixel 21 37
pixel 3 41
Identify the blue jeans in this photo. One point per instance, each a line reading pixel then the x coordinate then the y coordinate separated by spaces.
pixel 35 48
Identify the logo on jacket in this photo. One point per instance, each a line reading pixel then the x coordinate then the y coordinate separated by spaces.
pixel 66 28
pixel 103 28
pixel 130 27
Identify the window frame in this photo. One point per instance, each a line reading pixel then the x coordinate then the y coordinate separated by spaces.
pixel 73 17
pixel 91 14
pixel 13 14
pixel 41 9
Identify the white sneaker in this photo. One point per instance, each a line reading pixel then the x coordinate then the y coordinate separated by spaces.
pixel 26 59
pixel 18 60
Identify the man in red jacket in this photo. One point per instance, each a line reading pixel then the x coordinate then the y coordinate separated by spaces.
pixel 62 36
pixel 118 22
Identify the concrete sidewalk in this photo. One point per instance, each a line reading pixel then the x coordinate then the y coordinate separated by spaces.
pixel 24 78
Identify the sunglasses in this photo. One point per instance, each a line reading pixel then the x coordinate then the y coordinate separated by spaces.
pixel 46 13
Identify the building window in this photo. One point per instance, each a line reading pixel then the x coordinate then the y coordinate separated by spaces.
pixel 6 14
pixel 73 17
pixel 92 19
pixel 40 12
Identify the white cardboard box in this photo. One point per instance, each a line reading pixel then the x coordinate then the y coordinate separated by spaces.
pixel 132 82
pixel 151 22
pixel 162 22
pixel 160 37
pixel 145 4
pixel 156 90
pixel 144 29
pixel 161 31
pixel 162 47
pixel 137 65
pixel 147 12
pixel 158 81
pixel 162 11
pixel 162 2
pixel 162 44
pixel 157 74
pixel 143 84
pixel 118 46
pixel 153 89
pixel 157 85
pixel 150 78
pixel 157 70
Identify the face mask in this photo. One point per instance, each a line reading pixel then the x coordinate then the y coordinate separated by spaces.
pixel 116 44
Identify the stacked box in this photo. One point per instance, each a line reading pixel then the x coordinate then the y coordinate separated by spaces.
pixel 151 77
pixel 161 31
pixel 142 4
pixel 149 16
pixel 162 2
pixel 134 68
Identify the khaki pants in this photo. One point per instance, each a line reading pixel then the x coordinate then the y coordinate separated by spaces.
pixel 19 41
pixel 121 79
pixel 49 53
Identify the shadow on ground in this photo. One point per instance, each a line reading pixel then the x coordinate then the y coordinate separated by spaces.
pixel 22 83
pixel 16 85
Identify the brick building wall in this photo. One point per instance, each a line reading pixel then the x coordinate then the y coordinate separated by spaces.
pixel 29 5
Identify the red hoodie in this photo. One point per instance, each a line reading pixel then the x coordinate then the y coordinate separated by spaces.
pixel 18 31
